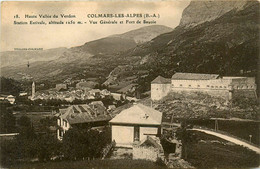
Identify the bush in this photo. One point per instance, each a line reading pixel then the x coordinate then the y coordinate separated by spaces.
pixel 79 143
pixel 159 162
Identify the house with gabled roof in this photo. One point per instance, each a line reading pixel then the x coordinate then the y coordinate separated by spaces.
pixel 84 116
pixel 135 124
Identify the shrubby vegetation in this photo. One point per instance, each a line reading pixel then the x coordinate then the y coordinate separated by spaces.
pixel 212 152
pixel 95 164
pixel 80 144
pixel 10 86
pixel 44 146
pixel 201 105
pixel 7 119
pixel 28 144
pixel 187 139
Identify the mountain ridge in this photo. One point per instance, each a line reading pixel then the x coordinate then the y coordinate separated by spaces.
pixel 87 56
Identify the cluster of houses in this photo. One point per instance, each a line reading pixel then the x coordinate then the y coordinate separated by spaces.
pixel 139 127
pixel 71 94
pixel 129 126
pixel 9 98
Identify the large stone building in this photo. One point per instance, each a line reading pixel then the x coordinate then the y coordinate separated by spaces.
pixel 212 84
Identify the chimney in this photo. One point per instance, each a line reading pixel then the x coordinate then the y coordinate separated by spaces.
pixel 95 110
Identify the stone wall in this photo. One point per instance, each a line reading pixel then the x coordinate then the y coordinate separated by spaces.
pixel 146 153
pixel 158 91
pixel 215 84
pixel 244 93
pixel 225 94
pixel 224 87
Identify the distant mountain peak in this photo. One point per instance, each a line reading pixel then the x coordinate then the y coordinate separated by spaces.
pixel 144 34
pixel 199 12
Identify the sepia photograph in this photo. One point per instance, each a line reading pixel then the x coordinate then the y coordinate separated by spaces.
pixel 131 84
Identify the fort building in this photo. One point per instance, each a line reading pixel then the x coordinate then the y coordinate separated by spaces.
pixel 213 84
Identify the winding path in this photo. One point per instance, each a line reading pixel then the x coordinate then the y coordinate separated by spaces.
pixel 223 136
pixel 231 139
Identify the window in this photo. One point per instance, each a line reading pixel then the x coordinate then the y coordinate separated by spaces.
pixel 225 86
pixel 189 85
pixel 136 133
pixel 60 133
pixel 207 85
pixel 65 123
pixel 212 86
pixel 180 85
pixel 216 86
pixel 198 85
pixel 220 86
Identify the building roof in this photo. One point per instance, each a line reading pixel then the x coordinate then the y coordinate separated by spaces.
pixel 161 80
pixel 151 141
pixel 127 88
pixel 85 113
pixel 139 114
pixel 88 84
pixel 194 76
pixel 97 103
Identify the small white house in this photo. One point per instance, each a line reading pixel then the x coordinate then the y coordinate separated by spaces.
pixel 135 124
pixel 11 99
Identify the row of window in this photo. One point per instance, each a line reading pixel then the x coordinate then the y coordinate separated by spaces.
pixel 65 123
pixel 208 86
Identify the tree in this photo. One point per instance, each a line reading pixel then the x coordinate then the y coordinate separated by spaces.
pixel 10 86
pixel 24 121
pixel 81 143
pixel 7 119
pixel 47 146
pixel 186 137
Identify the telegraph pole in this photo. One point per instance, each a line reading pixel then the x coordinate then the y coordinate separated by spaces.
pixel 216 125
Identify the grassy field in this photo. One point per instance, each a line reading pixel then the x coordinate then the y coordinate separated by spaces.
pixel 35 117
pixel 213 152
pixel 93 164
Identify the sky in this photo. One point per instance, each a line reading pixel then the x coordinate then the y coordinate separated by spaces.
pixel 70 35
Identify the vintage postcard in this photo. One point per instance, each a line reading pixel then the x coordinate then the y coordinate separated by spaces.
pixel 130 84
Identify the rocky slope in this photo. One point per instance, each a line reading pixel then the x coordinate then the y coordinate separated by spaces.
pixel 228 45
pixel 202 11
pixel 223 42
